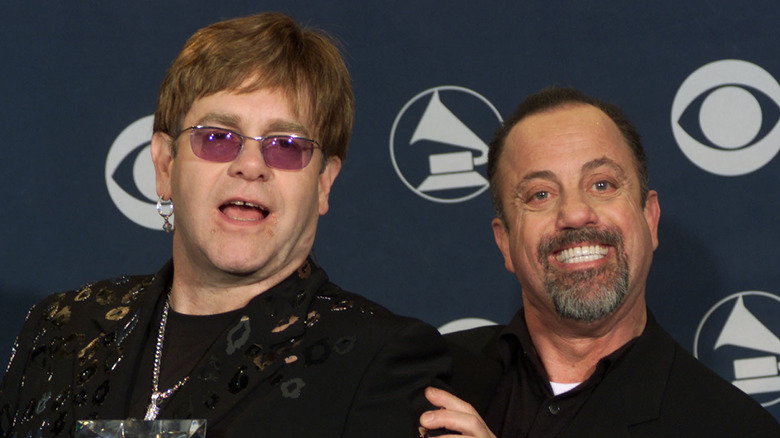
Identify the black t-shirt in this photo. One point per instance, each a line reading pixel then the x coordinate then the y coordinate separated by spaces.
pixel 187 338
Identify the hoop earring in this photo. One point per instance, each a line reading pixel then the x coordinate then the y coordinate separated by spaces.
pixel 165 210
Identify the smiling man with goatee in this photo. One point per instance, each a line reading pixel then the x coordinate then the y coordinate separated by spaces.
pixel 577 224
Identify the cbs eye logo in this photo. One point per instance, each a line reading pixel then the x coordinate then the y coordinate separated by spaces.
pixel 130 177
pixel 725 117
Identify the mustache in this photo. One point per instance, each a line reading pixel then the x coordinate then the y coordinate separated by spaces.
pixel 609 236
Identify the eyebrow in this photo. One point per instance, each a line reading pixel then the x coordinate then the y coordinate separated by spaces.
pixel 233 121
pixel 539 174
pixel 604 161
pixel 587 167
pixel 288 126
pixel 229 120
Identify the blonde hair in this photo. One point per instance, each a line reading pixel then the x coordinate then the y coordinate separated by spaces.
pixel 268 50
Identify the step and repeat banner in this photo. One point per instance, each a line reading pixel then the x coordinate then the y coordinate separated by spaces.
pixel 409 224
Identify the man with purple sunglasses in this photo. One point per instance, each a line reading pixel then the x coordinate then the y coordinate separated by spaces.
pixel 242 327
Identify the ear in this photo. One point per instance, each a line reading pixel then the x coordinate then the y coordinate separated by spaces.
pixel 652 214
pixel 326 179
pixel 501 234
pixel 162 157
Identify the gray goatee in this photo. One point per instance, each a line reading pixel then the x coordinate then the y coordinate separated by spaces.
pixel 590 294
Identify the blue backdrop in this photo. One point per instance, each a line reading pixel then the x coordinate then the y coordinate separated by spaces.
pixel 409 224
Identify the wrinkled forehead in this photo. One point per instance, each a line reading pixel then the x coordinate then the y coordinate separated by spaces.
pixel 562 140
pixel 297 104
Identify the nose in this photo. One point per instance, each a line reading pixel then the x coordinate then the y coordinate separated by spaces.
pixel 575 211
pixel 250 164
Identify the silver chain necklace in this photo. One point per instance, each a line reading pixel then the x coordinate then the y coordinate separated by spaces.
pixel 158 396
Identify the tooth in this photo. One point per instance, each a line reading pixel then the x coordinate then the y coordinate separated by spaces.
pixel 581 254
pixel 247 204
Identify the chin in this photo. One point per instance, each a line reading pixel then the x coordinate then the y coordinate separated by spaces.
pixel 239 267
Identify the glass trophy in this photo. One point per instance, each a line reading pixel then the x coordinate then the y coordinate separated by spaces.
pixel 134 428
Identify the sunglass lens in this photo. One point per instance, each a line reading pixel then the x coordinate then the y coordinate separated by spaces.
pixel 288 153
pixel 215 144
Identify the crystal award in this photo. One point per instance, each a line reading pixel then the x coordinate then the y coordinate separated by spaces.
pixel 133 428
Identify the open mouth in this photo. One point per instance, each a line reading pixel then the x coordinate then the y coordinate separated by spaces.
pixel 582 254
pixel 244 211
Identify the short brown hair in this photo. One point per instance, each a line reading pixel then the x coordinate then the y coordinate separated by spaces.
pixel 273 51
pixel 551 98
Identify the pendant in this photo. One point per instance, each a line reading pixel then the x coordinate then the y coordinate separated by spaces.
pixel 151 412
pixel 154 409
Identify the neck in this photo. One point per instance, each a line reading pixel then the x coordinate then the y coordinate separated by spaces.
pixel 570 350
pixel 193 294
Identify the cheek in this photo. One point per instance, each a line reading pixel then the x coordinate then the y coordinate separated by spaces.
pixel 176 184
pixel 300 195
pixel 191 187
pixel 532 229
pixel 524 248
pixel 637 238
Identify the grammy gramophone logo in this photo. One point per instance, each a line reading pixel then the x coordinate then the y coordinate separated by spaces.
pixel 438 143
pixel 738 339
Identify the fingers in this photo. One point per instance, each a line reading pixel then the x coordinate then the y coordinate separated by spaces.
pixel 443 399
pixel 456 415
pixel 425 433
pixel 466 424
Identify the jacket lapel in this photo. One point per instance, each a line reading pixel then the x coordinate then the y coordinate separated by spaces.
pixel 105 366
pixel 632 392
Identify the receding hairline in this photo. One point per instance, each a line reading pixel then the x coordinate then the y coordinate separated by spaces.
pixel 563 106
pixel 544 173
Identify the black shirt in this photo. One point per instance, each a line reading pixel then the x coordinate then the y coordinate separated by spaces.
pixel 524 404
pixel 187 338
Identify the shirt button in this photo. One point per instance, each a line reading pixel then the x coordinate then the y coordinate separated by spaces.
pixel 554 408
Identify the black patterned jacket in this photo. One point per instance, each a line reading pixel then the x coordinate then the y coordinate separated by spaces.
pixel 305 359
